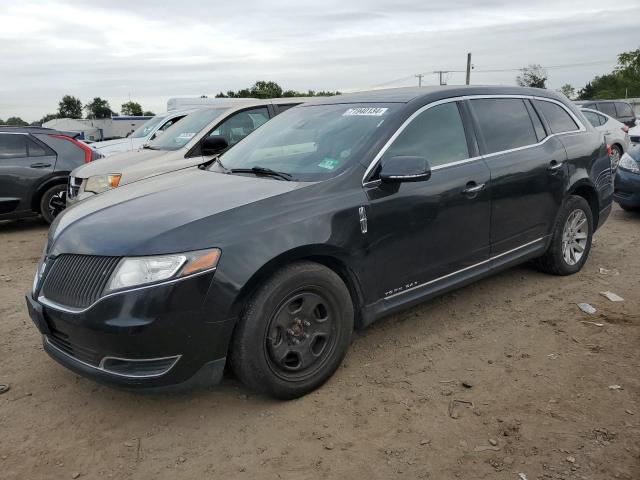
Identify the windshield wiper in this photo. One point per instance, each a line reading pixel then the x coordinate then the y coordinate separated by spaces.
pixel 264 171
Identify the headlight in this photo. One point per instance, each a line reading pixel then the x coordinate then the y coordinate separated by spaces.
pixel 136 271
pixel 628 163
pixel 102 183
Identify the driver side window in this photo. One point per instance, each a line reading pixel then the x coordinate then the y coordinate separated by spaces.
pixel 241 124
pixel 436 134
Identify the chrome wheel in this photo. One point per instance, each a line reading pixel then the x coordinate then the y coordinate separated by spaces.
pixel 574 237
pixel 615 157
pixel 301 335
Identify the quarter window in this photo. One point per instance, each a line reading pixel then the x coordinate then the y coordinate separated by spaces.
pixel 505 123
pixel 13 146
pixel 594 118
pixel 557 117
pixel 437 134
pixel 36 150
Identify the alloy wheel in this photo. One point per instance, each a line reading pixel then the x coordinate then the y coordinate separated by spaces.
pixel 574 237
pixel 57 203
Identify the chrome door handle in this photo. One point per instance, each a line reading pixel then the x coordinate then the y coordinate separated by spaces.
pixel 474 189
pixel 555 166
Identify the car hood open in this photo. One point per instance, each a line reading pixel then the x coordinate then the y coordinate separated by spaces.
pixel 163 214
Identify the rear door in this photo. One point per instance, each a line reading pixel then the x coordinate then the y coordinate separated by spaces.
pixel 422 231
pixel 528 174
pixel 23 163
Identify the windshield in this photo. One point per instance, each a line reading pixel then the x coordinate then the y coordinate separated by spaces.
pixel 310 143
pixel 179 134
pixel 145 129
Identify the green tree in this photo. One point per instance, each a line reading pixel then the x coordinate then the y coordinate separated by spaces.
pixel 623 82
pixel 532 76
pixel 98 108
pixel 16 122
pixel 567 90
pixel 269 89
pixel 149 113
pixel 47 117
pixel 131 108
pixel 70 107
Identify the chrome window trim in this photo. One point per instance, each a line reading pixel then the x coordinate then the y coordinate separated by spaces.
pixel 100 366
pixel 424 284
pixel 63 308
pixel 376 160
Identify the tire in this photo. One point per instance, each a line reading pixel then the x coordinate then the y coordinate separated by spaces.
pixel 616 153
pixel 557 260
pixel 293 332
pixel 53 202
pixel 629 208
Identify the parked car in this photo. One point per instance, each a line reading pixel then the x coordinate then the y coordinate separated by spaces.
pixel 141 135
pixel 621 111
pixel 615 133
pixel 191 142
pixel 34 166
pixel 328 217
pixel 627 180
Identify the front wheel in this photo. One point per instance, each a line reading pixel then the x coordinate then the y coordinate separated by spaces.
pixel 294 332
pixel 53 202
pixel 571 239
pixel 616 153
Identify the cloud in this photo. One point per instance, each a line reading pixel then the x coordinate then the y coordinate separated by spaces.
pixel 152 50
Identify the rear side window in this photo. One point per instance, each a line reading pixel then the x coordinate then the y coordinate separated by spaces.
pixel 608 108
pixel 12 146
pixel 624 109
pixel 36 150
pixel 557 117
pixel 437 134
pixel 594 118
pixel 504 122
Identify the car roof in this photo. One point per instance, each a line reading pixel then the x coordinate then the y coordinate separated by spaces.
pixel 584 102
pixel 409 94
pixel 11 129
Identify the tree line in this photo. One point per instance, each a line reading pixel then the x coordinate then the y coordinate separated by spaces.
pixel 71 107
pixel 622 82
pixel 268 89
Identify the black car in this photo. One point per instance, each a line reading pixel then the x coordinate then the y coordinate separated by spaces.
pixel 627 180
pixel 621 111
pixel 328 217
pixel 34 166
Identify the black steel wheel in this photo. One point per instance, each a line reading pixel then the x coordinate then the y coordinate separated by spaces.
pixel 294 332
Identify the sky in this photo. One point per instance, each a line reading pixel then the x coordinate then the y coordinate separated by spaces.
pixel 148 51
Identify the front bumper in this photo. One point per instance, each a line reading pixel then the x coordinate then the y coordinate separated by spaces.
pixel 626 188
pixel 151 338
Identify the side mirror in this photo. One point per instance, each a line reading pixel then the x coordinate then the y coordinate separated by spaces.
pixel 213 145
pixel 404 169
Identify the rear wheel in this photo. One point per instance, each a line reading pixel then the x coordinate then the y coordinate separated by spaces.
pixel 53 202
pixel 616 153
pixel 294 332
pixel 571 239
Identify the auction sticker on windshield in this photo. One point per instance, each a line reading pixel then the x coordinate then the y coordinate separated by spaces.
pixel 369 111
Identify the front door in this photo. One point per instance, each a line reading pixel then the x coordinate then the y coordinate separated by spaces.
pixel 422 231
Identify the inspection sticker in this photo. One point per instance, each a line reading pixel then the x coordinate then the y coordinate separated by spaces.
pixel 187 135
pixel 329 163
pixel 369 111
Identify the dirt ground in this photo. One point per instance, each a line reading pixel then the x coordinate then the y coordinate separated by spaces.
pixel 541 401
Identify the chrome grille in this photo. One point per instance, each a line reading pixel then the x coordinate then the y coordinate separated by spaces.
pixel 78 280
pixel 74 186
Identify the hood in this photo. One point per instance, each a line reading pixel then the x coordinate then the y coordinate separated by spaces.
pixel 113 146
pixel 124 163
pixel 156 215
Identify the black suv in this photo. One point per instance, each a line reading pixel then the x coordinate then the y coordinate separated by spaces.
pixel 328 217
pixel 621 111
pixel 34 166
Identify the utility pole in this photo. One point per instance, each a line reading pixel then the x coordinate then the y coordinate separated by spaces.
pixel 442 76
pixel 419 77
pixel 468 68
